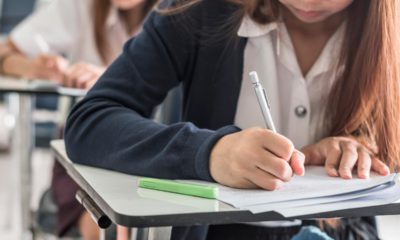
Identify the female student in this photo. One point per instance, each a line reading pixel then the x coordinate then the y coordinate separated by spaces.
pixel 71 42
pixel 88 33
pixel 330 69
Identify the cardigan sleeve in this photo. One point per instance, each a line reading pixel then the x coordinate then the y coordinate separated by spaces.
pixel 110 128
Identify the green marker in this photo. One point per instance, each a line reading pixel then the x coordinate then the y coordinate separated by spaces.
pixel 190 189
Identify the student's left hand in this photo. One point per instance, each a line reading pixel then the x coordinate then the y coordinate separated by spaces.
pixel 340 155
pixel 82 75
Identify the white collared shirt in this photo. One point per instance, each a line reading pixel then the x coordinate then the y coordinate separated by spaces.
pixel 66 27
pixel 297 102
pixel 270 52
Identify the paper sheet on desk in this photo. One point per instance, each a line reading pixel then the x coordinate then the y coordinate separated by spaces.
pixel 314 201
pixel 315 183
pixel 386 196
pixel 305 203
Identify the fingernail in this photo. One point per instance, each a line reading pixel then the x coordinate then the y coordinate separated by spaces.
pixel 347 176
pixel 385 171
pixel 334 173
pixel 364 175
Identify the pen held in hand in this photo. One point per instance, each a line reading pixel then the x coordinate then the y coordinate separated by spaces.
pixel 42 44
pixel 298 158
pixel 262 101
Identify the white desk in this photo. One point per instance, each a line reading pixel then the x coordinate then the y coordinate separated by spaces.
pixel 22 93
pixel 125 204
pixel 24 86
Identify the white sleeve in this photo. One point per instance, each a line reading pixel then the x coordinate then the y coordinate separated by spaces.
pixel 53 28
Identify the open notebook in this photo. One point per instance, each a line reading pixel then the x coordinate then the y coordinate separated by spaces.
pixel 316 192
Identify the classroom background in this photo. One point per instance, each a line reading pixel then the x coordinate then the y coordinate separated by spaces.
pixel 46 119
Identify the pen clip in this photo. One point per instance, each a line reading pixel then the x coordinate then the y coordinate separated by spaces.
pixel 266 98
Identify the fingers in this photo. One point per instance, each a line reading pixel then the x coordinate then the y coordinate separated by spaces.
pixel 348 159
pixel 264 180
pixel 82 75
pixel 280 151
pixel 72 75
pixel 83 79
pixel 344 156
pixel 297 163
pixel 274 165
pixel 241 160
pixel 333 160
pixel 89 84
pixel 49 67
pixel 363 164
pixel 379 167
pixel 275 143
pixel 54 62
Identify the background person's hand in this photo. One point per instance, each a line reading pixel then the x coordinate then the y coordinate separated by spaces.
pixel 82 75
pixel 255 158
pixel 342 155
pixel 47 67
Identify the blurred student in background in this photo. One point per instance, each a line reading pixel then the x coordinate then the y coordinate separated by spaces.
pixel 71 42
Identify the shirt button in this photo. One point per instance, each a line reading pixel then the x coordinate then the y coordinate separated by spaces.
pixel 300 111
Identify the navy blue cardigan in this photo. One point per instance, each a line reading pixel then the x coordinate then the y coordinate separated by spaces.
pixel 110 128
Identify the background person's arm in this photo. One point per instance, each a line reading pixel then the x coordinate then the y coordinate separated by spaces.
pixel 82 75
pixel 35 46
pixel 45 66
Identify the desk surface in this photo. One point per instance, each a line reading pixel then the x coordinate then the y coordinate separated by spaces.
pixel 8 84
pixel 125 204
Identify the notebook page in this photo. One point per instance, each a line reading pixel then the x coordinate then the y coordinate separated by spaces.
pixel 315 183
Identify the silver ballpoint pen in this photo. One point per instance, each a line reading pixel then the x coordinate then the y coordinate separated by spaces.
pixel 262 101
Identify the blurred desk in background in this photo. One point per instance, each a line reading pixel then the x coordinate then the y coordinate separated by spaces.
pixel 21 94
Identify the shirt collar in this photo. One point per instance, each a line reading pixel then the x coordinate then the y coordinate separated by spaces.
pixel 249 28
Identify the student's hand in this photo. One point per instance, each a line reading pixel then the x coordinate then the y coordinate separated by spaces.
pixel 82 75
pixel 46 66
pixel 255 158
pixel 342 155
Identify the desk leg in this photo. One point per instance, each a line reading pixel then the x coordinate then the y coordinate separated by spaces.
pixel 103 234
pixel 142 234
pixel 160 233
pixel 22 147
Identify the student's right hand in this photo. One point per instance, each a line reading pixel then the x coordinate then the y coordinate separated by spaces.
pixel 255 158
pixel 82 75
pixel 49 67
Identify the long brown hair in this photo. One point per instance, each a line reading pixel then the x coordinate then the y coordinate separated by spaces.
pixel 365 100
pixel 100 12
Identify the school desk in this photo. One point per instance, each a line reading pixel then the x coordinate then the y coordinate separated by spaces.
pixel 114 197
